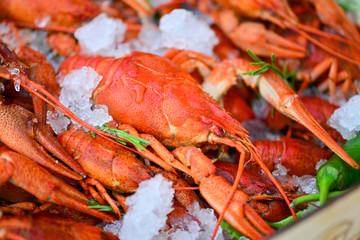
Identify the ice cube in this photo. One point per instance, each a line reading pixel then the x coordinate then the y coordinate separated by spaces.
pixel 193 230
pixel 181 29
pixel 101 35
pixel 306 184
pixel 148 209
pixel 75 94
pixel 346 119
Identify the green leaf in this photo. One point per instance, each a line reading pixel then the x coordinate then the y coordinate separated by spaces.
pixel 136 141
pixel 94 204
pixel 93 134
pixel 288 77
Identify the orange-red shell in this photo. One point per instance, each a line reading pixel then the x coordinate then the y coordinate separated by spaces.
pixel 113 165
pixel 299 157
pixel 65 13
pixel 157 97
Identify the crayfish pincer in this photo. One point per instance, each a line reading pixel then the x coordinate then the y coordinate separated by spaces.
pixel 157 97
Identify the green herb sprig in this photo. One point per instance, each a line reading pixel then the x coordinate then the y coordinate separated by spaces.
pixel 288 77
pixel 94 204
pixel 136 141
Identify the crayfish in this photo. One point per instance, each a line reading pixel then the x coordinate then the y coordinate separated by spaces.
pixel 178 119
pixel 157 99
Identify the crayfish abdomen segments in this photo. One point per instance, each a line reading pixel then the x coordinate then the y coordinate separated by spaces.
pixel 157 97
pixel 113 165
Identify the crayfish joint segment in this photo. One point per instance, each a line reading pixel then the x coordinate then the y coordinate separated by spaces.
pixel 19 135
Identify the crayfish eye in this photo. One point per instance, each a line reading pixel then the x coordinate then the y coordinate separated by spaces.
pixel 218 131
pixel 268 191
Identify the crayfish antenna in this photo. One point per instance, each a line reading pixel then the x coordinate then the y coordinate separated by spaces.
pixel 240 145
pixel 292 23
pixel 321 45
pixel 241 165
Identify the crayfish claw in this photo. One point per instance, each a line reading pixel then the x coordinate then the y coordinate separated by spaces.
pixel 47 140
pixel 17 132
pixel 263 42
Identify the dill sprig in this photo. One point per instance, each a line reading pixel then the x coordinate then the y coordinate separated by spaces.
pixel 94 204
pixel 136 141
pixel 288 77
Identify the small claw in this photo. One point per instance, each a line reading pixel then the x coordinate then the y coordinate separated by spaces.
pixel 47 188
pixel 255 37
pixel 284 99
pixel 17 132
pixel 47 140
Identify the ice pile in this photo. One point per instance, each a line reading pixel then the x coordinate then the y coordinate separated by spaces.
pixel 76 90
pixel 181 29
pixel 346 119
pixel 306 184
pixel 149 40
pixel 148 209
pixel 191 230
pixel 280 171
pixel 11 40
pixel 103 36
pixel 36 39
pixel 147 214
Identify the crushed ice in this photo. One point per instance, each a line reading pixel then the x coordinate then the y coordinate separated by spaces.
pixel 320 163
pixel 346 119
pixel 261 108
pixel 191 230
pixel 306 184
pixel 147 214
pixel 75 94
pixel 103 36
pixel 280 170
pixel 182 29
pixel 147 210
pixel 179 29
